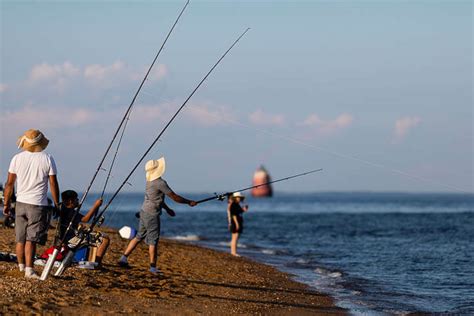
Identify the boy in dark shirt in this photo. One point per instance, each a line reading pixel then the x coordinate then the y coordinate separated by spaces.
pixel 66 215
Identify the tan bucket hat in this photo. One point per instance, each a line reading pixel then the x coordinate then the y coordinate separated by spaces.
pixel 155 169
pixel 32 140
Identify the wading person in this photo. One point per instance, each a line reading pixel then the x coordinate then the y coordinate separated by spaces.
pixel 236 220
pixel 70 201
pixel 32 170
pixel 149 225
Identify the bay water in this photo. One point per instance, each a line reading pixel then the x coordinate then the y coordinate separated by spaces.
pixel 375 253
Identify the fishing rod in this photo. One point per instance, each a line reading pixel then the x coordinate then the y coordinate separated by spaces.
pixel 164 129
pixel 115 156
pixel 222 196
pixel 99 219
pixel 127 113
pixel 52 258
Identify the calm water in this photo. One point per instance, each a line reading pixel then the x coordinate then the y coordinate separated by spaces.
pixel 376 253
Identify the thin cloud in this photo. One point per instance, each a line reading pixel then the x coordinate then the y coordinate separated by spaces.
pixel 200 114
pixel 98 72
pixel 204 115
pixel 151 113
pixel 56 117
pixel 47 72
pixel 157 73
pixel 403 127
pixel 320 127
pixel 60 77
pixel 265 119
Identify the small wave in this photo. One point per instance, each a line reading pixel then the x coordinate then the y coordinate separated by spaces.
pixel 269 251
pixel 302 261
pixel 328 273
pixel 227 244
pixel 186 238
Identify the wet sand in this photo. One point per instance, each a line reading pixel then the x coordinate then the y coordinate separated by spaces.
pixel 196 280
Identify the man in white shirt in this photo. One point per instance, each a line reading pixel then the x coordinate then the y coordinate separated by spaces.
pixel 31 169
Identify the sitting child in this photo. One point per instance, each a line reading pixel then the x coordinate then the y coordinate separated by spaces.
pixel 70 202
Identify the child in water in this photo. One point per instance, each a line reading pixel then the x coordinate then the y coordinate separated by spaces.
pixel 236 220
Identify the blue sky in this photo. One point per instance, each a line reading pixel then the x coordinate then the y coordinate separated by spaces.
pixel 378 94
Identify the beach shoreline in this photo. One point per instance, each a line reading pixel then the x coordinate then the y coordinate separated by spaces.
pixel 196 280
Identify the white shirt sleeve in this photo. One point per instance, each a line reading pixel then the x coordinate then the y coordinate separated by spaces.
pixel 52 168
pixel 12 168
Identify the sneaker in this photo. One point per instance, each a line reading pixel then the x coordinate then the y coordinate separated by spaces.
pixel 156 271
pixel 32 276
pixel 123 262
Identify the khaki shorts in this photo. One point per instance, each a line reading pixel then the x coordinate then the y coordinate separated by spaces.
pixel 31 223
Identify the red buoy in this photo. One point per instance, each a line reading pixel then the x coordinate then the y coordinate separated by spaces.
pixel 261 176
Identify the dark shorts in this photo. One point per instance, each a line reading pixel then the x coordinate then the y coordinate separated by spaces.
pixel 149 227
pixel 234 230
pixel 31 223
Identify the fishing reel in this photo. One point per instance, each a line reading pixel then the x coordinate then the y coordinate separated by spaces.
pixel 95 238
pixel 220 197
pixel 80 238
pixel 100 221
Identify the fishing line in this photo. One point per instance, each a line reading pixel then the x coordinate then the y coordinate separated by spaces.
pixel 113 212
pixel 115 155
pixel 127 113
pixel 165 128
pixel 49 264
pixel 338 154
pixel 332 152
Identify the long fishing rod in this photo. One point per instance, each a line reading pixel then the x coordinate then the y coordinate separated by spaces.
pixel 113 160
pixel 99 218
pixel 128 110
pixel 115 156
pixel 227 194
pixel 52 258
pixel 164 129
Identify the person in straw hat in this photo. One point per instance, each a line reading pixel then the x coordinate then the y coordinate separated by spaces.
pixel 32 170
pixel 149 225
pixel 236 221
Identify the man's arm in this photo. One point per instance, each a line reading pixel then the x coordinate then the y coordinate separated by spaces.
pixel 8 192
pixel 54 187
pixel 92 211
pixel 179 199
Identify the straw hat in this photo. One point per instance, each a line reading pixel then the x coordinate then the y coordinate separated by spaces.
pixel 155 169
pixel 238 195
pixel 32 140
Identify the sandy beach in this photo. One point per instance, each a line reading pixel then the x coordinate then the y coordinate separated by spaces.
pixel 196 280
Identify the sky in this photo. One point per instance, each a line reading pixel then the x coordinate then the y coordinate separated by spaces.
pixel 377 93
